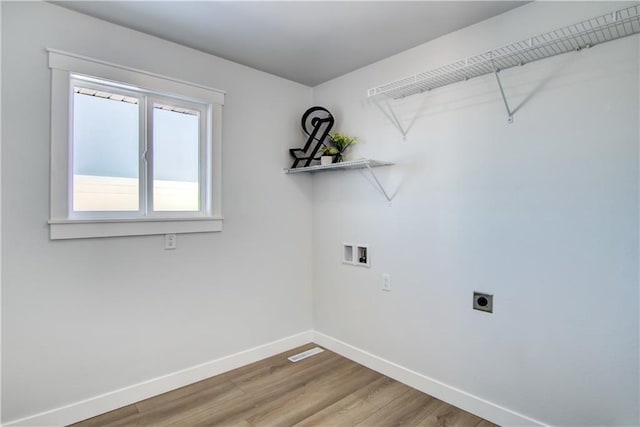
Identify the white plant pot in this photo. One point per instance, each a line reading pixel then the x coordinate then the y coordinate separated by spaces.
pixel 326 160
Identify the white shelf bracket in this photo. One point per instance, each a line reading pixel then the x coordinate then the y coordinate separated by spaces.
pixel 504 98
pixel 380 187
pixel 388 111
pixel 350 164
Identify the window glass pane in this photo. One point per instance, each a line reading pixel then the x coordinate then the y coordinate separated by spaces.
pixel 105 151
pixel 176 169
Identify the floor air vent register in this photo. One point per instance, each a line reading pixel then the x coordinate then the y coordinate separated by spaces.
pixel 305 354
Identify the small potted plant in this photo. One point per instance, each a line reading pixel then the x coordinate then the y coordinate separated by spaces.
pixel 328 154
pixel 340 144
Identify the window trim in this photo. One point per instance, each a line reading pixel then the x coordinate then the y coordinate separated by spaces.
pixel 64 68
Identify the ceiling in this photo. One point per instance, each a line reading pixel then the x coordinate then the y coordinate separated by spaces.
pixel 309 42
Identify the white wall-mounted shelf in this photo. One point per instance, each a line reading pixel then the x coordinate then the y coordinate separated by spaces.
pixel 585 34
pixel 352 164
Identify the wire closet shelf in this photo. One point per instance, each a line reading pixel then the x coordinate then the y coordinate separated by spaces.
pixel 612 26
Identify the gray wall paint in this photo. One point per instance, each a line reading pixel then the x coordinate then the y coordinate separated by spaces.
pixel 84 317
pixel 543 213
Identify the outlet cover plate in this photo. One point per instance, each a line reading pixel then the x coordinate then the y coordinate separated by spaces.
pixel 170 241
pixel 483 302
pixel 386 282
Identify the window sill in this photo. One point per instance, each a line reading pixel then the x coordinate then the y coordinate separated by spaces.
pixel 81 229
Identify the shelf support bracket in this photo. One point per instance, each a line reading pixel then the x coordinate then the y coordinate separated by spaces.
pixel 504 98
pixel 388 111
pixel 380 187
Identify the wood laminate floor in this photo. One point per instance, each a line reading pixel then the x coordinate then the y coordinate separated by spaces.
pixel 323 390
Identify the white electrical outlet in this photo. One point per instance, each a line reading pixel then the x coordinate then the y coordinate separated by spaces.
pixel 386 282
pixel 170 241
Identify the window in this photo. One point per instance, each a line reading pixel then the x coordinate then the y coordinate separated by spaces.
pixel 131 158
pixel 121 139
pixel 106 142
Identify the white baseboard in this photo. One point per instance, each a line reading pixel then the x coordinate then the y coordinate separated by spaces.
pixel 463 400
pixel 125 396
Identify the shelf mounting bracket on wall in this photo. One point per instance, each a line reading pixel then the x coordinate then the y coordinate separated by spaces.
pixel 380 187
pixel 504 98
pixel 388 111
pixel 368 164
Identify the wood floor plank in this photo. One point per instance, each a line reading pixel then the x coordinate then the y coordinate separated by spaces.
pixel 124 416
pixel 408 409
pixel 315 395
pixel 270 364
pixel 272 392
pixel 323 390
pixel 448 415
pixel 357 406
pixel 225 413
pixel 169 411
pixel 282 371
pixel 183 393
pixel 272 396
pixel 268 386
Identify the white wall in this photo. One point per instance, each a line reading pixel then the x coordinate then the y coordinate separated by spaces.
pixel 84 317
pixel 543 213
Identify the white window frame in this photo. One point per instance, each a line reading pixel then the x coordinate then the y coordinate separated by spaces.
pixel 203 163
pixel 89 83
pixel 68 68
